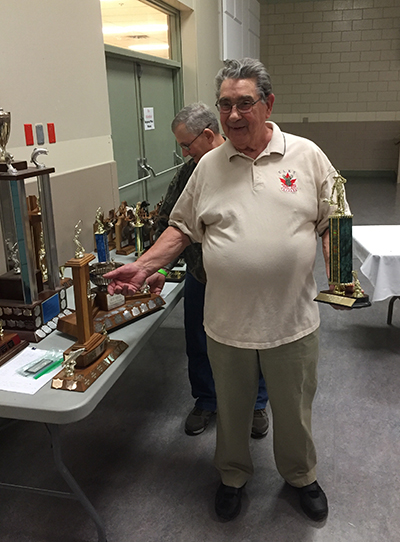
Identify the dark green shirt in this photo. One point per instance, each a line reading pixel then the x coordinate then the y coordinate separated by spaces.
pixel 192 254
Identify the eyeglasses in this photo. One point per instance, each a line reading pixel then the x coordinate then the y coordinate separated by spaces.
pixel 243 106
pixel 187 147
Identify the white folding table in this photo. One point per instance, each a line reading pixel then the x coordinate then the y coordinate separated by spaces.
pixel 56 407
pixel 378 249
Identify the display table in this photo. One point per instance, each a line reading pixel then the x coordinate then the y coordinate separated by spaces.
pixel 54 407
pixel 378 249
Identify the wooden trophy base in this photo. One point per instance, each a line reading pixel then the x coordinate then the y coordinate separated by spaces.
pixel 94 348
pixel 135 307
pixel 347 301
pixel 175 276
pixel 82 379
pixel 10 345
pixel 33 322
pixel 126 250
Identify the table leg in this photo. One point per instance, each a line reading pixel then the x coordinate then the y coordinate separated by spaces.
pixel 72 483
pixel 390 309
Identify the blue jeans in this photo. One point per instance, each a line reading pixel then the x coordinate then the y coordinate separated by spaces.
pixel 200 373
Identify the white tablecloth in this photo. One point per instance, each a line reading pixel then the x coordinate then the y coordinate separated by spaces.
pixel 378 249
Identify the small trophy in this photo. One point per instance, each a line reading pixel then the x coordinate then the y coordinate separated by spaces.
pixel 341 274
pixel 138 225
pixel 101 237
pixel 124 232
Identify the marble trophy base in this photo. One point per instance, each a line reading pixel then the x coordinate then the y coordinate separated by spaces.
pixel 82 379
pixel 135 307
pixel 33 322
pixel 348 301
pixel 10 345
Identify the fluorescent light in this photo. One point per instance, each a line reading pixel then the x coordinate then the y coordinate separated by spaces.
pixel 145 28
pixel 149 47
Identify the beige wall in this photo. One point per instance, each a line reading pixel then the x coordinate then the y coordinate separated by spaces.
pixel 53 70
pixel 201 48
pixel 335 69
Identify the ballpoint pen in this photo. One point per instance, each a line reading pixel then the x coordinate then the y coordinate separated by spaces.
pixel 49 368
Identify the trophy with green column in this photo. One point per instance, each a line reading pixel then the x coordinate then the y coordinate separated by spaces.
pixel 347 291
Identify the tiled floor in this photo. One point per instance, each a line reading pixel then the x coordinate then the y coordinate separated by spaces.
pixel 152 483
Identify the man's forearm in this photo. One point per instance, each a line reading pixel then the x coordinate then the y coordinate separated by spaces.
pixel 167 247
pixel 325 251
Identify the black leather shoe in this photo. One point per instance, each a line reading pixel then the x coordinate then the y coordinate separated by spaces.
pixel 313 501
pixel 228 501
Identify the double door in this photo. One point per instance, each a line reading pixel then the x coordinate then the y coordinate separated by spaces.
pixel 144 98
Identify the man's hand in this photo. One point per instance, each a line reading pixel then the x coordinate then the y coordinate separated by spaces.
pixel 126 280
pixel 156 282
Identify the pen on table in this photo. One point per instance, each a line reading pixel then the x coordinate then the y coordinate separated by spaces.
pixel 49 368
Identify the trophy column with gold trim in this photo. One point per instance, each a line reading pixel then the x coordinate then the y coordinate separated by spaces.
pixel 341 273
pixel 93 352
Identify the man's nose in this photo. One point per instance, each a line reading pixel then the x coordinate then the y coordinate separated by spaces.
pixel 235 113
pixel 185 153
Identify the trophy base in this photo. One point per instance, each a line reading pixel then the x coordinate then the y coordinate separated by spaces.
pixel 10 345
pixel 18 165
pixel 134 308
pixel 94 348
pixel 33 322
pixel 126 250
pixel 11 285
pixel 82 379
pixel 326 296
pixel 175 276
pixel 107 302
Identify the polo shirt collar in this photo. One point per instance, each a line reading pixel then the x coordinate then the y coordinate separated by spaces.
pixel 277 144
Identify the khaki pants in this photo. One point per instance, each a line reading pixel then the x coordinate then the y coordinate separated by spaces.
pixel 290 373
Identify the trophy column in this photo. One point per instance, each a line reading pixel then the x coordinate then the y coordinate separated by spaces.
pixel 341 274
pixel 93 343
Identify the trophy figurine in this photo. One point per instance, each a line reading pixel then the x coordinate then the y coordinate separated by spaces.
pixel 101 237
pixel 5 125
pixel 341 274
pixel 79 250
pixel 138 225
pixel 5 157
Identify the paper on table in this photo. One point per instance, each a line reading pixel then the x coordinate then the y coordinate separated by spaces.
pixel 11 380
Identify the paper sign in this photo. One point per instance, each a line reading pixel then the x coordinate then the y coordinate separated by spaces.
pixel 148 115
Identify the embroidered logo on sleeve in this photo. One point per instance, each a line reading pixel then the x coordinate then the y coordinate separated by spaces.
pixel 288 181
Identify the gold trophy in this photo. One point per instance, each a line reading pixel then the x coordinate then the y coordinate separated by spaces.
pixel 347 290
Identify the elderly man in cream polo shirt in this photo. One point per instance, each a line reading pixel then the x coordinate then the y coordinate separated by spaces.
pixel 256 203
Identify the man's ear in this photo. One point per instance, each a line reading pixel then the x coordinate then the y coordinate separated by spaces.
pixel 209 135
pixel 269 103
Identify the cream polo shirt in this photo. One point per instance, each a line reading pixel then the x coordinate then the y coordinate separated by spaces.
pixel 258 222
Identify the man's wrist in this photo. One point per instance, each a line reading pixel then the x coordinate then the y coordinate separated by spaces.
pixel 163 272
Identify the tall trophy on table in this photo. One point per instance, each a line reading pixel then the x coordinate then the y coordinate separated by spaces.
pixel 347 291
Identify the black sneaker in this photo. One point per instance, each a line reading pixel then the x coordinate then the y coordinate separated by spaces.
pixel 313 501
pixel 197 421
pixel 260 426
pixel 228 501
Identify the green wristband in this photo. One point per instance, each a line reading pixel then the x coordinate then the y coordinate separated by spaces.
pixel 163 272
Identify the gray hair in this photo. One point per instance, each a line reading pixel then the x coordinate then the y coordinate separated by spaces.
pixel 247 68
pixel 196 117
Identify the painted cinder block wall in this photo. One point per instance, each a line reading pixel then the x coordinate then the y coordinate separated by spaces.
pixel 335 68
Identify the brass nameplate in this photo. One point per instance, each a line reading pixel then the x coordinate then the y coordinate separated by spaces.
pixel 335 299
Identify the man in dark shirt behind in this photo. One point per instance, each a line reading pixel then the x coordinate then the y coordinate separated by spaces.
pixel 197 132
